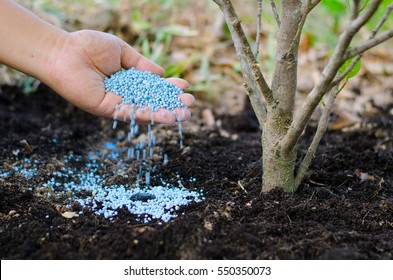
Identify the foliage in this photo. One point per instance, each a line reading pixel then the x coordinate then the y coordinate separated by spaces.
pixel 352 73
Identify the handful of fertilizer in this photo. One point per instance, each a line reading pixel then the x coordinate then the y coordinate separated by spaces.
pixel 144 89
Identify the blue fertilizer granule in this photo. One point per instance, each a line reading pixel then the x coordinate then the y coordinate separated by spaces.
pixel 87 186
pixel 147 202
pixel 144 89
pixel 25 168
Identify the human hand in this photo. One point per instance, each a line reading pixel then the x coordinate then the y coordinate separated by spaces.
pixel 81 65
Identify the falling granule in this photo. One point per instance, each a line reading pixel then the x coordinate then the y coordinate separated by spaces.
pixel 159 202
pixel 114 124
pixel 130 153
pixel 147 178
pixel 165 159
pixel 144 90
pixel 180 133
pixel 148 202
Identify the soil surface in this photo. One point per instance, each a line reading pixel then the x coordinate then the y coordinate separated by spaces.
pixel 343 209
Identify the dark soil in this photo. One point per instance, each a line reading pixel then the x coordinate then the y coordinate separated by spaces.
pixel 343 210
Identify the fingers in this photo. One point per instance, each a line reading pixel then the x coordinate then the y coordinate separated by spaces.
pixel 161 116
pixel 187 99
pixel 183 84
pixel 132 58
pixel 111 107
pixel 126 113
pixel 182 114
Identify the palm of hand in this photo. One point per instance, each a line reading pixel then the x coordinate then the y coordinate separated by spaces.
pixel 90 56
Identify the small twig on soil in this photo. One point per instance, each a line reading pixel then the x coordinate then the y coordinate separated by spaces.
pixel 241 186
pixel 290 221
pixel 364 217
pixel 342 184
pixel 308 200
pixel 26 145
pixel 316 183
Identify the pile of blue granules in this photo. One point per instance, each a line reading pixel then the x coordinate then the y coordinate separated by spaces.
pixel 81 179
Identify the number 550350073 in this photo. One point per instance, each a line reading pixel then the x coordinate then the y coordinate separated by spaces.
pixel 237 270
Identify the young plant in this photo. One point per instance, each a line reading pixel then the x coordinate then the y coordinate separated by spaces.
pixel 274 104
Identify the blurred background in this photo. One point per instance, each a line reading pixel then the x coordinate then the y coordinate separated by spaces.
pixel 190 40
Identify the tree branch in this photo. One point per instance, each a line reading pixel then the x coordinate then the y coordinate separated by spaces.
pixel 342 76
pixel 252 74
pixel 321 129
pixel 355 9
pixel 362 19
pixel 255 99
pixel 382 21
pixel 369 44
pixel 259 29
pixel 306 9
pixel 324 83
pixel 314 3
pixel 285 66
pixel 275 13
pixel 337 80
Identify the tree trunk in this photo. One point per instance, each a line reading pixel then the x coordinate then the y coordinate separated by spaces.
pixel 278 170
pixel 281 130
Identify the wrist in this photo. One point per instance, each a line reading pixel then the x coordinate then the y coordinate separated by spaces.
pixel 53 49
pixel 29 44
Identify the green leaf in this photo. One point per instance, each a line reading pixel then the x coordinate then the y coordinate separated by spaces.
pixel 176 69
pixel 344 66
pixel 355 70
pixel 335 6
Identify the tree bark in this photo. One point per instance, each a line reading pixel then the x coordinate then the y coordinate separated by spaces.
pixel 278 168
pixel 281 130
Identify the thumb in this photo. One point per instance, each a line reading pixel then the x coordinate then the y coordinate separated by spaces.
pixel 132 58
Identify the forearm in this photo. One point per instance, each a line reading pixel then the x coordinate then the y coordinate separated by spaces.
pixel 28 43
